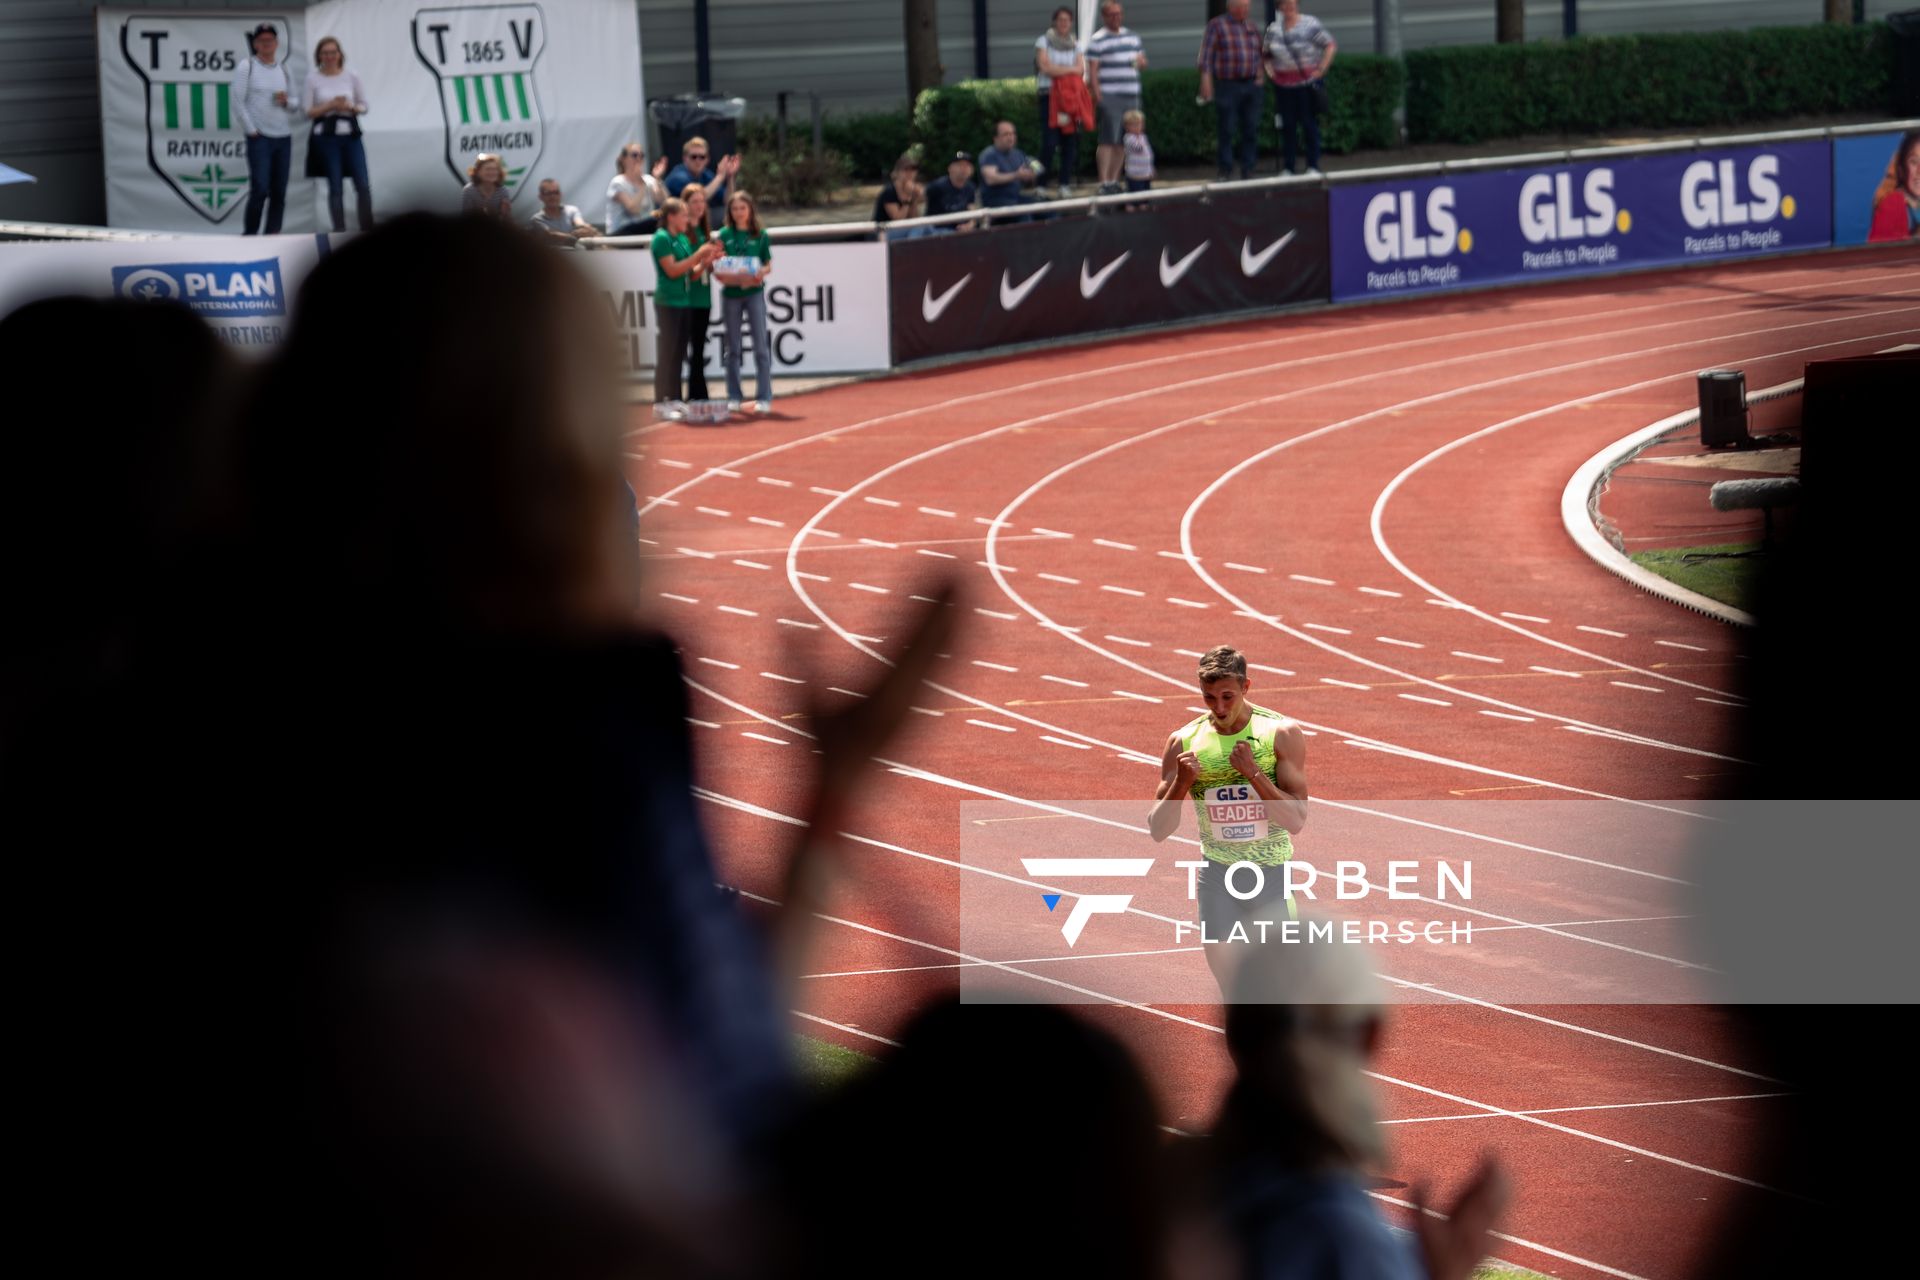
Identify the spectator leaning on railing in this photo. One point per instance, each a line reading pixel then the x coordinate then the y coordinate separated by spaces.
pixel 1229 65
pixel 955 193
pixel 1298 54
pixel 1004 169
pixel 1117 57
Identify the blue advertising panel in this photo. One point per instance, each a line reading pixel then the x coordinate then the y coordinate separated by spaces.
pixel 1876 187
pixel 1458 230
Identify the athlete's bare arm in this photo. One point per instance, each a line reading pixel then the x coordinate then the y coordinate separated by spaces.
pixel 1285 794
pixel 1177 771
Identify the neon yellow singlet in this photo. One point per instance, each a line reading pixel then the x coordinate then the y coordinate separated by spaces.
pixel 1233 819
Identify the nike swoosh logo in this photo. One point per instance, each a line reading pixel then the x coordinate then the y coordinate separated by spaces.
pixel 931 307
pixel 1170 273
pixel 1251 263
pixel 1092 284
pixel 1014 296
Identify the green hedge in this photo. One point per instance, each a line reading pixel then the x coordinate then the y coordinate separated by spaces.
pixel 871 142
pixel 960 117
pixel 1473 92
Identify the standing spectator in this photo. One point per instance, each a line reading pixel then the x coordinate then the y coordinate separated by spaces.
pixel 1139 167
pixel 1117 56
pixel 558 221
pixel 1056 56
pixel 1230 79
pixel 699 290
pixel 335 100
pixel 634 196
pixel 693 168
pixel 262 99
pixel 486 189
pixel 747 258
pixel 675 259
pixel 955 193
pixel 1004 169
pixel 1298 53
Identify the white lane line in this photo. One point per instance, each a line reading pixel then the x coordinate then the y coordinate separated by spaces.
pixel 1245 568
pixel 993 666
pixel 1476 657
pixel 1137 697
pixel 880 502
pixel 795 622
pixel 778 484
pixel 1061 577
pixel 1345 684
pixel 774 675
pixel 1600 1106
pixel 697 554
pixel 1644 688
pixel 736 609
pixel 1675 644
pixel 1317 582
pixel 778 742
pixel 1420 697
pixel 1718 702
pixel 768 521
pixel 1526 617
pixel 715 662
pixel 937 511
pixel 1117 546
pixel 1050 533
pixel 752 564
pixel 876 542
pixel 668 595
pixel 1576 924
pixel 812 577
pixel 1195 653
pixel 1078 684
pixel 1404 644
pixel 1321 626
pixel 926 600
pixel 704 724
pixel 1555 671
pixel 851 693
pixel 1446 604
pixel 841 1026
pixel 937 555
pixel 722 471
pixel 713 511
pixel 1508 715
pixel 1171 555
pixel 927 711
pixel 826 493
pixel 1381 591
pixel 995 613
pixel 992 524
pixel 1138 644
pixel 878 591
pixel 1272 671
pixel 1188 604
pixel 828 534
pixel 1601 631
pixel 662 502
pixel 1003 728
pixel 1122 591
pixel 675 462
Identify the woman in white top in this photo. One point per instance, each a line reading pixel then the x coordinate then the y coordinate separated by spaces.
pixel 335 100
pixel 1057 53
pixel 634 196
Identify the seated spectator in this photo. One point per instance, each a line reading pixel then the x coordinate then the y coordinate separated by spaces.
pixel 957 192
pixel 900 198
pixel 560 223
pixel 1004 169
pixel 693 168
pixel 1298 1131
pixel 486 189
pixel 634 196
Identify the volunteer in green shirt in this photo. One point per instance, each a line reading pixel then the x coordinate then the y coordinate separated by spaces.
pixel 747 258
pixel 675 259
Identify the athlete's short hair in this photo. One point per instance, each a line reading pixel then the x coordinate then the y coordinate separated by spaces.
pixel 1223 662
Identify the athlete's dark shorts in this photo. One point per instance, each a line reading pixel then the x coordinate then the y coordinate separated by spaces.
pixel 1220 910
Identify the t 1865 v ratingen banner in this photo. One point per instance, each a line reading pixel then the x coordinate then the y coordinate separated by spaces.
pixel 973 291
pixel 1400 238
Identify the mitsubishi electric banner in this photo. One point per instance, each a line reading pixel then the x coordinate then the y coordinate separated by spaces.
pixel 552 87
pixel 1457 230
pixel 973 291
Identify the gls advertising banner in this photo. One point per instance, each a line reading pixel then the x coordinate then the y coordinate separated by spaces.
pixel 826 308
pixel 973 291
pixel 1396 239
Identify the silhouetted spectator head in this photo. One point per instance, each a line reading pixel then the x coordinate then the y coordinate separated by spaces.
pixel 439 440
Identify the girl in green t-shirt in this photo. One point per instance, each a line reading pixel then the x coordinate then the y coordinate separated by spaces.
pixel 747 259
pixel 675 259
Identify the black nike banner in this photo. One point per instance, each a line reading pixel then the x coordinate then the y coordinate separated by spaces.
pixel 977 290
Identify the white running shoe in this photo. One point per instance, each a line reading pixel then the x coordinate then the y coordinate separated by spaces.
pixel 733 406
pixel 763 407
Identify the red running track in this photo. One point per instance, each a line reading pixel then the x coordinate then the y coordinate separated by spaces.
pixel 1366 501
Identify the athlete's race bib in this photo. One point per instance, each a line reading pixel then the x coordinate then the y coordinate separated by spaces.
pixel 1236 812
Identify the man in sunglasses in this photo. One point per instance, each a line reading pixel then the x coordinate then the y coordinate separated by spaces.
pixel 693 168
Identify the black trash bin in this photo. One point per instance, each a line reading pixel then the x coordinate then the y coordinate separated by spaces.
pixel 687 116
pixel 1905 28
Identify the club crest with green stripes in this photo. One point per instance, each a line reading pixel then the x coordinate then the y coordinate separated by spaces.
pixel 194 140
pixel 486 59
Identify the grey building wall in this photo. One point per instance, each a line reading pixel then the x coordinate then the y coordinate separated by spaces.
pixel 851 52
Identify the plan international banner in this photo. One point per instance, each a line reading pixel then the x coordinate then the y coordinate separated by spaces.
pixel 551 87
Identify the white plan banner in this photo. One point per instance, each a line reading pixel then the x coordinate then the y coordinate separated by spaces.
pixel 553 88
pixel 826 308
pixel 243 288
pixel 172 142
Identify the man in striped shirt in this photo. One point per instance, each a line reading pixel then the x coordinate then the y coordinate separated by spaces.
pixel 260 97
pixel 1230 79
pixel 1117 56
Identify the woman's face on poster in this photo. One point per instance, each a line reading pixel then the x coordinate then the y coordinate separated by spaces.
pixel 1913 170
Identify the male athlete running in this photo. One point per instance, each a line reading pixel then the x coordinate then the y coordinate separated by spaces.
pixel 1245 768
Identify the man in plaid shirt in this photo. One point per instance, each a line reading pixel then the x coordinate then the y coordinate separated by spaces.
pixel 1230 79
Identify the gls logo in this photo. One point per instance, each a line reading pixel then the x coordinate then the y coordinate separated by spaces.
pixel 1089 905
pixel 1548 211
pixel 1392 232
pixel 1710 193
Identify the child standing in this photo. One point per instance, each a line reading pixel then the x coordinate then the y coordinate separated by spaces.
pixel 1138 165
pixel 747 259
